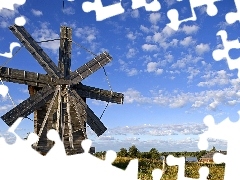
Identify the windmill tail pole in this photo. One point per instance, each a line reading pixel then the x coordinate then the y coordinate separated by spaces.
pixel 164 165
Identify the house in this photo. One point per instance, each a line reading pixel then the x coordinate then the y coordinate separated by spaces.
pixel 208 158
pixel 191 159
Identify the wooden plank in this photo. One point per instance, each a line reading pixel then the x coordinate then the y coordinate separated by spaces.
pixel 92 120
pixel 28 106
pixel 90 67
pixel 36 51
pixel 98 94
pixel 24 77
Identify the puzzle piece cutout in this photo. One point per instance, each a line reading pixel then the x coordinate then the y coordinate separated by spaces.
pixel 103 12
pixel 3 90
pixel 12 46
pixel 20 21
pixel 220 54
pixel 180 162
pixel 9 4
pixel 229 131
pixel 232 17
pixel 153 6
pixel 173 14
pixel 24 161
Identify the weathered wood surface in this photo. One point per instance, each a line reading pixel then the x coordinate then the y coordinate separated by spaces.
pixel 41 80
pixel 90 67
pixel 42 87
pixel 98 94
pixel 92 120
pixel 28 106
pixel 36 51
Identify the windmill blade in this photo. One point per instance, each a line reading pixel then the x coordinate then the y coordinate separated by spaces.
pixel 92 120
pixel 24 77
pixel 37 52
pixel 98 94
pixel 29 105
pixel 29 78
pixel 90 67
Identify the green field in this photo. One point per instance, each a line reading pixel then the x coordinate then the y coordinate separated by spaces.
pixel 146 167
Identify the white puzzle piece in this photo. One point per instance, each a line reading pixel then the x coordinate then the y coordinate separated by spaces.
pixel 173 14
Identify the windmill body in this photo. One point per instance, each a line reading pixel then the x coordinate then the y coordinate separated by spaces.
pixel 58 98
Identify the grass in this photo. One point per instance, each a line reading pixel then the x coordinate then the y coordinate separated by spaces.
pixel 146 166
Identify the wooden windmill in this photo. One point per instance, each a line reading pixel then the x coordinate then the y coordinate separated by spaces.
pixel 58 98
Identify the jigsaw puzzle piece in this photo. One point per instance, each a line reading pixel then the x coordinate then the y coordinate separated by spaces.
pixel 232 17
pixel 153 6
pixel 180 162
pixel 20 21
pixel 157 174
pixel 10 4
pixel 103 12
pixel 58 150
pixel 220 54
pixel 229 131
pixel 173 14
pixel 12 46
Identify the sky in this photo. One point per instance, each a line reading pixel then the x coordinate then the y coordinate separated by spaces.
pixel 169 79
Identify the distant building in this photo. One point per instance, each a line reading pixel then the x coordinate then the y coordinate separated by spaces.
pixel 191 159
pixel 92 150
pixel 208 158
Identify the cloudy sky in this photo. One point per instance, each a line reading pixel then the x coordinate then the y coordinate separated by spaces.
pixel 169 79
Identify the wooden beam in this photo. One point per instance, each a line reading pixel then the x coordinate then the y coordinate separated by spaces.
pixel 37 52
pixel 64 62
pixel 98 94
pixel 29 78
pixel 92 120
pixel 29 105
pixel 90 67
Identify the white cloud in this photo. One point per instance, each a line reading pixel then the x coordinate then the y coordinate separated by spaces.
pixel 144 29
pixel 159 71
pixel 45 33
pixel 131 96
pixel 135 13
pixel 202 48
pixel 149 47
pixel 189 29
pixel 154 18
pixel 187 41
pixel 131 53
pixel 106 138
pixel 192 73
pixel 6 13
pixel 87 33
pixel 69 11
pixel 152 66
pixel 144 137
pixel 124 67
pixel 202 99
pixel 5 108
pixel 215 79
pixel 7 17
pixel 36 12
pixel 131 36
pixel 170 2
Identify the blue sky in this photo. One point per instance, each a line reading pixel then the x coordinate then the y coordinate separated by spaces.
pixel 169 79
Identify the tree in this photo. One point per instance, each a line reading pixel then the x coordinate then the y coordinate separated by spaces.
pixel 213 149
pixel 154 153
pixel 200 154
pixel 145 155
pixel 133 152
pixel 123 152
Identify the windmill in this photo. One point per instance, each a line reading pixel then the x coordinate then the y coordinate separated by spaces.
pixel 58 98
